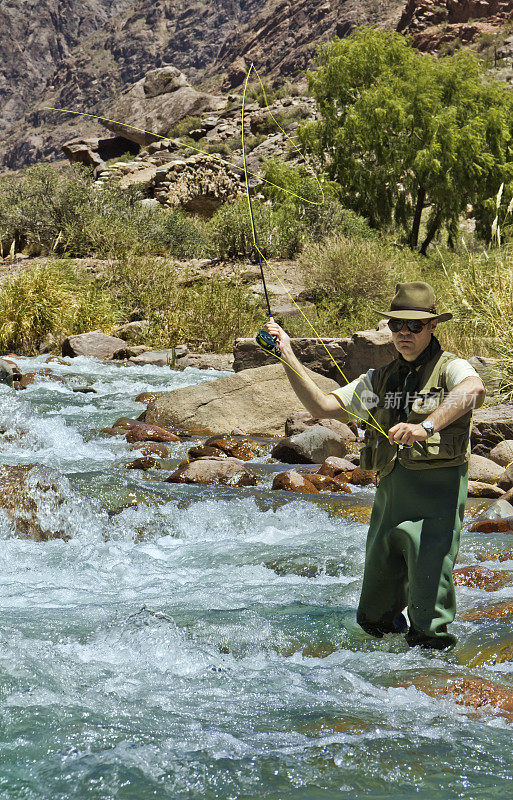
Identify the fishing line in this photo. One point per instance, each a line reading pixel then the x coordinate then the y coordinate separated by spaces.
pixel 264 340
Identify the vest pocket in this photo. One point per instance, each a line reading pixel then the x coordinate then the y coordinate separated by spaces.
pixel 438 446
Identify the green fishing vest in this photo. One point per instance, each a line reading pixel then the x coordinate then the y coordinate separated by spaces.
pixel 449 447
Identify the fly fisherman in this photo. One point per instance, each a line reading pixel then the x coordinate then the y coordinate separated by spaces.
pixel 423 400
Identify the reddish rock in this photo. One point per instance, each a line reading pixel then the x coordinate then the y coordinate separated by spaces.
pixel 326 483
pixel 293 481
pixel 481 578
pixel 28 378
pixel 204 451
pixel 498 611
pixel 333 466
pixel 150 433
pixel 151 449
pixel 493 526
pixel 144 464
pixel 478 693
pixel 362 477
pixel 227 472
pixel 125 423
pixel 147 397
pixel 244 449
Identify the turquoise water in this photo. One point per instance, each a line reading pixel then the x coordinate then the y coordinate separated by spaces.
pixel 201 643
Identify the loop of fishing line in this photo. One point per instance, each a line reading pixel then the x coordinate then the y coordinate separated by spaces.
pixel 247 172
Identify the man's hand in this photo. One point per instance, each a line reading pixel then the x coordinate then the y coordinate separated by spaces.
pixel 283 338
pixel 407 433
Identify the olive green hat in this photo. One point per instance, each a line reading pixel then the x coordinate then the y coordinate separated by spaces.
pixel 414 300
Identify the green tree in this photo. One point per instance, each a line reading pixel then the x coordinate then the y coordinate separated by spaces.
pixel 403 132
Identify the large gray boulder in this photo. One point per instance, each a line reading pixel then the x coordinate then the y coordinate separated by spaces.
pixel 156 103
pixel 7 372
pixel 484 469
pixel 255 401
pixel 94 344
pixel 313 446
pixel 492 425
pixel 502 453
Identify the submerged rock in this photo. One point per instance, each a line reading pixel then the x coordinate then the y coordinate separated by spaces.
pixel 151 449
pixel 490 644
pixel 224 471
pixel 497 611
pixel 32 496
pixel 143 432
pixel 326 483
pixel 481 578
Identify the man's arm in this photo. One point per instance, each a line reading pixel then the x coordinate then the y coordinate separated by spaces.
pixel 467 395
pixel 319 405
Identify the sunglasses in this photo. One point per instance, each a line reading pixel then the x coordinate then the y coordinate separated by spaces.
pixel 413 325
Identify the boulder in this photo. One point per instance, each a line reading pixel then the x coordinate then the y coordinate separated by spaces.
pixel 333 466
pixel 313 446
pixel 203 451
pixel 293 481
pixel 500 509
pixel 311 352
pixel 244 449
pixel 483 469
pixel 487 370
pixel 369 350
pixel 492 425
pixel 362 477
pixel 224 471
pixel 480 489
pixel 302 420
pixel 7 372
pixel 481 578
pixel 33 497
pixel 326 483
pixel 150 433
pixel 257 401
pixel 506 479
pixel 219 361
pixel 159 358
pixel 502 453
pixel 146 397
pixel 144 463
pixel 94 344
pixel 156 102
pixel 132 330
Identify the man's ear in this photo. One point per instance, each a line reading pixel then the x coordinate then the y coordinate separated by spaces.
pixel 434 323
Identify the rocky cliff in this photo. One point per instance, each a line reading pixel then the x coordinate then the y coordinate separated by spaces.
pixel 433 23
pixel 83 55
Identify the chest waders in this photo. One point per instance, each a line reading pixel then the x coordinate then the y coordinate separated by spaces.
pixel 417 515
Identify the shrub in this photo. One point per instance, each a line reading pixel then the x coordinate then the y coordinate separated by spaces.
pixel 53 298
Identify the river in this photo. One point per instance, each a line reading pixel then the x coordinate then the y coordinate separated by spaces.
pixel 191 642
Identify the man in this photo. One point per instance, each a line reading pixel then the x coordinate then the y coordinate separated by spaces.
pixel 418 441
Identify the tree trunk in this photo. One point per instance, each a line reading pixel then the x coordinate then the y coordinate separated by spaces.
pixel 419 207
pixel 435 223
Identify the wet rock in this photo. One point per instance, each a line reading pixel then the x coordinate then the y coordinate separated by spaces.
pixel 313 446
pixel 362 477
pixel 484 470
pixel 499 509
pixel 151 449
pixel 227 472
pixel 112 431
pixel 490 644
pixel 502 453
pixel 480 489
pixel 150 433
pixel 244 449
pixel 204 451
pixel 325 483
pixel 94 344
pixel 32 497
pixel 333 466
pixel 293 481
pixel 301 421
pixel 497 611
pixel 493 526
pixel 147 397
pixel 28 378
pixel 481 578
pixel 478 693
pixel 84 390
pixel 257 401
pixel 144 463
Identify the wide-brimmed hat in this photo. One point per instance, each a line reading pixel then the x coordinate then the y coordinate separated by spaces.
pixel 414 300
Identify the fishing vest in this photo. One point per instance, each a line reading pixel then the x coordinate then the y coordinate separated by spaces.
pixel 449 447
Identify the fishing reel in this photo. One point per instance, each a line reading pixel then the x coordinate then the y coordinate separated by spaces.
pixel 268 343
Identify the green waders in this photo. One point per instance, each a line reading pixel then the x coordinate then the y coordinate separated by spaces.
pixel 412 545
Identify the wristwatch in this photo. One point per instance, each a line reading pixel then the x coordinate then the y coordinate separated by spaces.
pixel 428 427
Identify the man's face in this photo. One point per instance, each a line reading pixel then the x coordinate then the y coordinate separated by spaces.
pixel 411 345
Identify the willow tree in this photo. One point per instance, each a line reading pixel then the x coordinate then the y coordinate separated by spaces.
pixel 408 136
